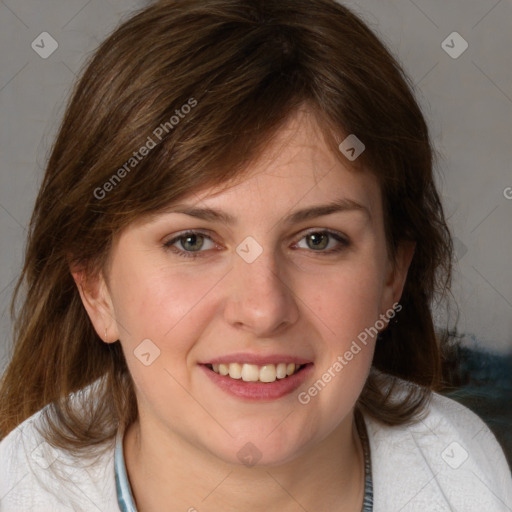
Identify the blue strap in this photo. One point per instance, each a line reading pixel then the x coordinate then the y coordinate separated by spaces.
pixel 124 493
pixel 368 481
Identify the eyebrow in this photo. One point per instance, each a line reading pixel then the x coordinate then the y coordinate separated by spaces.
pixel 337 206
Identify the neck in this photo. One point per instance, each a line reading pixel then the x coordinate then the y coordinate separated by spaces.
pixel 165 471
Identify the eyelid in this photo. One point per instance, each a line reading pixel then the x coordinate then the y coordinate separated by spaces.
pixel 330 231
pixel 181 234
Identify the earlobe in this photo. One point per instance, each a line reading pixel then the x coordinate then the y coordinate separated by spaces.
pixel 97 301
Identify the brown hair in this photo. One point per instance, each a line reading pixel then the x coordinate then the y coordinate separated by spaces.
pixel 242 67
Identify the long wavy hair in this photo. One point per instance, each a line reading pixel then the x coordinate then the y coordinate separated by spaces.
pixel 209 82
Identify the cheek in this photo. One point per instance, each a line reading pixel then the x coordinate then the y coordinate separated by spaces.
pixel 170 310
pixel 347 299
pixel 166 307
pixel 344 314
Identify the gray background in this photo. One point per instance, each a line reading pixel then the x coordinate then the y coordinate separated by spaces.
pixel 467 101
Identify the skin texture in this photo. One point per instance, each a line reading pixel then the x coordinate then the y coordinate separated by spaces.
pixel 293 299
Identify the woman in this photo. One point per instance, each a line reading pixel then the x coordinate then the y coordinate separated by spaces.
pixel 228 281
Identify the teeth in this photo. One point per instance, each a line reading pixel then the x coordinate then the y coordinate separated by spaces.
pixel 268 373
pixel 281 370
pixel 235 371
pixel 250 373
pixel 255 373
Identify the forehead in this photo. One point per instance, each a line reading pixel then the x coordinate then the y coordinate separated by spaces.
pixel 296 171
pixel 297 167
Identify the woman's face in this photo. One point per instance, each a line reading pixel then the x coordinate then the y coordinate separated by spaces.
pixel 288 266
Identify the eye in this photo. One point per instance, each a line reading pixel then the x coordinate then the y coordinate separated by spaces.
pixel 193 244
pixel 188 243
pixel 323 241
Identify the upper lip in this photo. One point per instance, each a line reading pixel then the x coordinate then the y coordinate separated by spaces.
pixel 257 359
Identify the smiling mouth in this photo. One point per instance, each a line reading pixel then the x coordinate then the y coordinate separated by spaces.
pixel 256 373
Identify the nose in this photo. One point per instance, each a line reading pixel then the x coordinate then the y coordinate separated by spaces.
pixel 260 300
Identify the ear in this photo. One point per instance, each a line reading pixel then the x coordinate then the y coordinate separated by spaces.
pixel 397 274
pixel 97 301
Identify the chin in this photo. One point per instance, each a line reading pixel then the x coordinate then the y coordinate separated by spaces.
pixel 261 449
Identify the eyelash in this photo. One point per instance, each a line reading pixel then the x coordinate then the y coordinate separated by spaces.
pixel 169 245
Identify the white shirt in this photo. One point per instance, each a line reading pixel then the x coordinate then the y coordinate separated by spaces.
pixel 449 461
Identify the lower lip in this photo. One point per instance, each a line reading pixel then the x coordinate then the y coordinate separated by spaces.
pixel 259 391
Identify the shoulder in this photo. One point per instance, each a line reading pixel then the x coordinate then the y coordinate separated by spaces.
pixel 447 460
pixel 38 477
